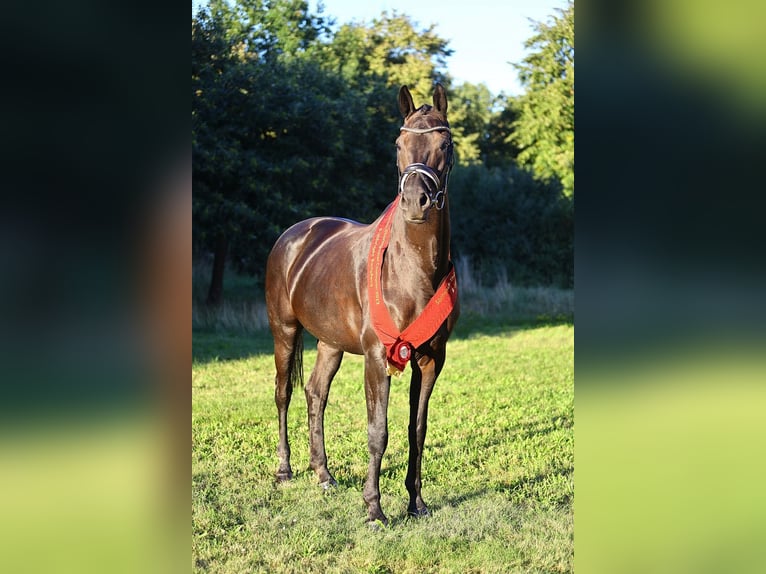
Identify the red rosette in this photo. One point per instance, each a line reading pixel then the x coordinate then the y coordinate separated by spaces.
pixel 400 354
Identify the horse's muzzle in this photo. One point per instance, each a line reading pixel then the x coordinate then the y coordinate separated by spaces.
pixel 429 196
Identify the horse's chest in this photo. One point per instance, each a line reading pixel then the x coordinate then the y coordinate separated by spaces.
pixel 405 303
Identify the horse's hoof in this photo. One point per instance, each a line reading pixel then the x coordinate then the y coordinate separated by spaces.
pixel 378 524
pixel 328 485
pixel 418 512
pixel 284 476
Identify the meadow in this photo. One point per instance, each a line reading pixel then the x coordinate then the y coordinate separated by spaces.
pixel 498 471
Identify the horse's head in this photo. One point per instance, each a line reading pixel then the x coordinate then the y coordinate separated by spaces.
pixel 424 148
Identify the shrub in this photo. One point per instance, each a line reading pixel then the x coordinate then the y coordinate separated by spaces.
pixel 512 226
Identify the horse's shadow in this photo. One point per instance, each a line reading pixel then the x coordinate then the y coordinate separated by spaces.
pixel 457 500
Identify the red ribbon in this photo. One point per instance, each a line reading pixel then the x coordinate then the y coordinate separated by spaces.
pixel 400 346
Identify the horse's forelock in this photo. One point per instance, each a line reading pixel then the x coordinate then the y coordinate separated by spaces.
pixel 420 118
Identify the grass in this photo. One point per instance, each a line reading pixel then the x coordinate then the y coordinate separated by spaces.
pixel 497 471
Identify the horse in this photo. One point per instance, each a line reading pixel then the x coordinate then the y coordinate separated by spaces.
pixel 386 290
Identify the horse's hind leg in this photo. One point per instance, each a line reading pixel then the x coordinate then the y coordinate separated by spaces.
pixel 288 353
pixel 317 390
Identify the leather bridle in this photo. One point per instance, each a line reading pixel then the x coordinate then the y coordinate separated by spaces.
pixel 437 192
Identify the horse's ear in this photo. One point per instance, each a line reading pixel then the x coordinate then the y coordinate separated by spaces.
pixel 406 105
pixel 440 100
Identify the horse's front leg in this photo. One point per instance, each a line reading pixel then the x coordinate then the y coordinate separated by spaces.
pixel 376 387
pixel 424 374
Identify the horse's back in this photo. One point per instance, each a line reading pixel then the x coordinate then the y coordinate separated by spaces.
pixel 312 238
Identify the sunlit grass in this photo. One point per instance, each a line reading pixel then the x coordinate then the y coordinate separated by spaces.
pixel 497 472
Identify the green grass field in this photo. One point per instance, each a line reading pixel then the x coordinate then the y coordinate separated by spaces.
pixel 497 471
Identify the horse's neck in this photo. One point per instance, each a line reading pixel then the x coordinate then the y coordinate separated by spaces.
pixel 419 254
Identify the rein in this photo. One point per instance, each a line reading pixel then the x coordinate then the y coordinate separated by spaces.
pixel 400 345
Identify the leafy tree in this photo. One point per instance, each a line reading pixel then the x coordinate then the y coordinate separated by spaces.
pixel 497 148
pixel 218 206
pixel 544 129
pixel 291 120
pixel 268 29
pixel 470 113
pixel 243 144
pixel 276 139
pixel 393 49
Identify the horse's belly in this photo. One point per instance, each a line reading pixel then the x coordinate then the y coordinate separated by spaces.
pixel 329 310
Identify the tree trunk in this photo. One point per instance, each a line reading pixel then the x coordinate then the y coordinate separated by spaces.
pixel 215 293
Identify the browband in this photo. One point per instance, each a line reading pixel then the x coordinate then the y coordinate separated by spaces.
pixel 426 130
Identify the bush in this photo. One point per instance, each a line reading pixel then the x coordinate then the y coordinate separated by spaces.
pixel 511 226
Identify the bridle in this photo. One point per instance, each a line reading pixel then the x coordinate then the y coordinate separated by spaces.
pixel 436 193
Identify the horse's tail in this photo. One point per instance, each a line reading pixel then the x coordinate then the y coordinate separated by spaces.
pixel 296 362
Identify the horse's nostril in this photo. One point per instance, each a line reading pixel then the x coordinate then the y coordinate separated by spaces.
pixel 424 200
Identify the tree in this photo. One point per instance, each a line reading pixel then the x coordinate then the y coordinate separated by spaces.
pixel 275 139
pixel 393 49
pixel 268 29
pixel 496 147
pixel 248 147
pixel 291 121
pixel 216 146
pixel 470 113
pixel 544 129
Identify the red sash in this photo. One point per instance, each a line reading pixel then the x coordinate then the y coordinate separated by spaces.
pixel 399 346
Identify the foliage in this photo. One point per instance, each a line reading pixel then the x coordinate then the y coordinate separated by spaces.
pixel 470 115
pixel 276 141
pixel 496 146
pixel 544 129
pixel 293 117
pixel 268 29
pixel 498 465
pixel 392 48
pixel 505 219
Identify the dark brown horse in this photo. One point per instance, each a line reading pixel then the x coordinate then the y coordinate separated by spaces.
pixel 317 279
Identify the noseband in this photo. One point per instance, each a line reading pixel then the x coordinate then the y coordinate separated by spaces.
pixel 435 195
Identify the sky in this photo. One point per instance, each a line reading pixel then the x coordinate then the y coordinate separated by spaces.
pixel 485 35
